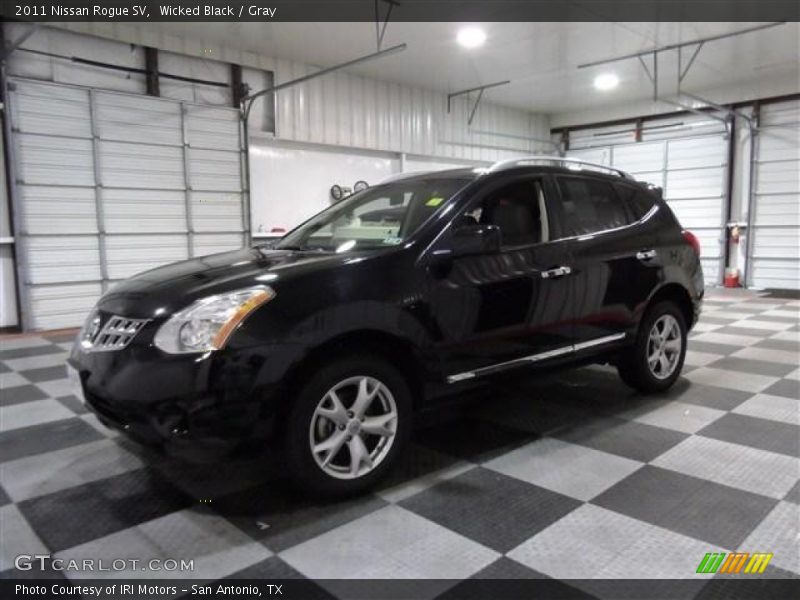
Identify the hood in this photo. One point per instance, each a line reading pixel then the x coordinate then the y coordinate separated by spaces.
pixel 166 289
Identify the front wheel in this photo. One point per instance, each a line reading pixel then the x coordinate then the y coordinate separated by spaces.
pixel 347 425
pixel 656 359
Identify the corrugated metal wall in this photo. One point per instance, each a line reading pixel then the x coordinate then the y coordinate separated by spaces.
pixel 110 184
pixel 687 157
pixel 775 247
pixel 340 109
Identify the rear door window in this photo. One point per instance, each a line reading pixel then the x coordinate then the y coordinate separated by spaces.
pixel 591 205
pixel 638 200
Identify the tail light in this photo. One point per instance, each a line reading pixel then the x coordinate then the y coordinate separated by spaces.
pixel 692 240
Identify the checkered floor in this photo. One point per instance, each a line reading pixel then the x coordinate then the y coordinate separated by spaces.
pixel 572 476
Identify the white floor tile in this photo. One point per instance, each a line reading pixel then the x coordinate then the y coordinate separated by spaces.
pixel 768 354
pixel 734 465
pixel 700 359
pixel 36 412
pixel 569 469
pixel 734 380
pixel 725 338
pixel 765 325
pixel 390 541
pixel 679 416
pixel 774 408
pixel 53 471
pixel 778 533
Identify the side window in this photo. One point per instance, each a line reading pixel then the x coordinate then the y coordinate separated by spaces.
pixel 639 201
pixel 518 209
pixel 590 205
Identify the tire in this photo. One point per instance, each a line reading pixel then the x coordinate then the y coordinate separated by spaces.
pixel 322 419
pixel 635 368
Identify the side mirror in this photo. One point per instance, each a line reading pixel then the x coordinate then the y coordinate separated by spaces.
pixel 470 240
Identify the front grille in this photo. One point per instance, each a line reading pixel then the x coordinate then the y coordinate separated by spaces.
pixel 116 334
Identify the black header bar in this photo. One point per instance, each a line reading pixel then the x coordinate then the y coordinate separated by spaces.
pixel 403 10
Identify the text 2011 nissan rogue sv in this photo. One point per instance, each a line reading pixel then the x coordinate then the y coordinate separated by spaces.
pixel 333 337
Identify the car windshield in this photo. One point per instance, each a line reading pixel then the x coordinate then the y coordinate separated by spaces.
pixel 378 217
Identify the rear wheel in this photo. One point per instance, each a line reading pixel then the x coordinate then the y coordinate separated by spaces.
pixel 348 424
pixel 655 361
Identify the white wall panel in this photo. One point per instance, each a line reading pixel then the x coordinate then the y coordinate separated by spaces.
pixel 139 211
pixel 56 306
pixel 291 182
pixel 127 255
pixel 217 211
pixel 58 259
pixel 79 230
pixel 137 119
pixel 215 170
pixel 141 166
pixel 211 243
pixel 51 210
pixel 46 160
pixel 775 244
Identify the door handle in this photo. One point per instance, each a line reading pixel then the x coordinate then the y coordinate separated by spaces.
pixel 646 254
pixel 556 273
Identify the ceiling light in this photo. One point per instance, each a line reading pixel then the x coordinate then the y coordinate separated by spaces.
pixel 606 81
pixel 471 37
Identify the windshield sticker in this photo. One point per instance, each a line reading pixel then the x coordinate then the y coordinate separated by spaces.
pixel 435 201
pixel 392 241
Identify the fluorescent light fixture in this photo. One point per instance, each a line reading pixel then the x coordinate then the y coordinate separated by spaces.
pixel 471 37
pixel 606 81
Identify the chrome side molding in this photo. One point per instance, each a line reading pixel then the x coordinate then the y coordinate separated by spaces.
pixel 525 360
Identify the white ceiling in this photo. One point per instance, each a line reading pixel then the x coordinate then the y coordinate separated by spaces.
pixel 541 59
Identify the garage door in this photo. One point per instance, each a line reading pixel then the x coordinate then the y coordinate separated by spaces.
pixel 687 157
pixel 775 250
pixel 111 184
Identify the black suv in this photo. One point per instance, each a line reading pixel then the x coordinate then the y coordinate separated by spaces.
pixel 331 338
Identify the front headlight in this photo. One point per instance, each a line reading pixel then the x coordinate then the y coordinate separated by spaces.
pixel 207 324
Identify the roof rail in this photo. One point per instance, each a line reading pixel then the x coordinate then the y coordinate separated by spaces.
pixel 559 161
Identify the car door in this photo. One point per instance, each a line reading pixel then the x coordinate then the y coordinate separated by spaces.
pixel 511 306
pixel 615 265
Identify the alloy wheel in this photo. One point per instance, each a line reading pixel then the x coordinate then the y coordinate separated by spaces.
pixel 353 427
pixel 664 346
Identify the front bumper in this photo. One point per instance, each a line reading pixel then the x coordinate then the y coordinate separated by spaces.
pixel 198 407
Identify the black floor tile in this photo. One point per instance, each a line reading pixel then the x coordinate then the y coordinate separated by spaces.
pixel 20 393
pixel 706 395
pixel 80 514
pixel 759 367
pixel 42 350
pixel 701 509
pixel 630 439
pixel 712 347
pixel 504 579
pixel 72 403
pixel 490 508
pixel 764 434
pixel 794 494
pixel 280 517
pixel 4 499
pixel 26 441
pixel 272 569
pixel 415 461
pixel 785 345
pixel 4 368
pixel 789 388
pixel 750 332
pixel 471 439
pixel 45 374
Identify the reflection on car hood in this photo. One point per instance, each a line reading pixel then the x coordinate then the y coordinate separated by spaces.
pixel 165 289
